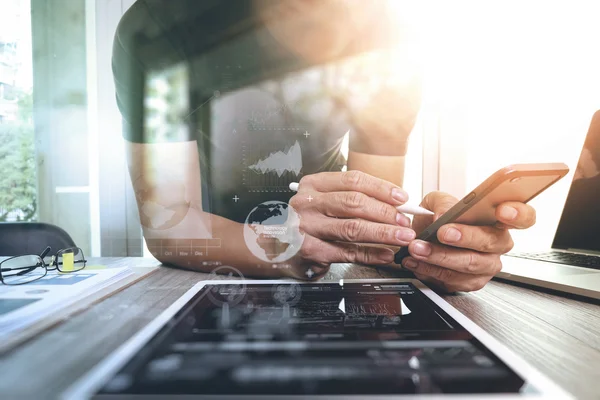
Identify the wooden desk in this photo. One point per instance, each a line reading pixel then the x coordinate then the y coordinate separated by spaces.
pixel 557 335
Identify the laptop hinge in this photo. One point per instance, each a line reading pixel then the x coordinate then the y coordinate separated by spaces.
pixel 583 251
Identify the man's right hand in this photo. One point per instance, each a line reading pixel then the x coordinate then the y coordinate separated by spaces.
pixel 341 213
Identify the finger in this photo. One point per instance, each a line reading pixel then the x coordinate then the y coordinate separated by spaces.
pixel 420 222
pixel 439 203
pixel 359 205
pixel 516 215
pixel 322 252
pixel 359 231
pixel 485 239
pixel 456 259
pixel 355 181
pixel 448 280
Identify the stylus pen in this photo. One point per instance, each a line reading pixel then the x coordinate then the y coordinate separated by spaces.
pixel 404 208
pixel 413 210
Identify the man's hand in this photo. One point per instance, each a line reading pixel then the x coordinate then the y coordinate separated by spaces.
pixel 468 256
pixel 341 213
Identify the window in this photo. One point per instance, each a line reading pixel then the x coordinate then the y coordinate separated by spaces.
pixel 55 97
pixel 18 195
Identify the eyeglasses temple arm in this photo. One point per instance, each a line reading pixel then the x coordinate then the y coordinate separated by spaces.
pixel 45 252
pixel 26 269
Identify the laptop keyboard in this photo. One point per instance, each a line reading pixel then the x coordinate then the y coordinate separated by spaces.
pixel 578 260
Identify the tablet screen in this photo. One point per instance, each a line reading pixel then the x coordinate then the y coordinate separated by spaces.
pixel 327 338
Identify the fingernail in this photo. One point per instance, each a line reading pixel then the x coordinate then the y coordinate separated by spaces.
pixel 399 195
pixel 452 235
pixel 508 213
pixel 405 235
pixel 422 249
pixel 402 220
pixel 410 263
pixel 386 257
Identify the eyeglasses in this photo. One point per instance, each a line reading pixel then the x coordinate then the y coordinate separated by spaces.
pixel 24 269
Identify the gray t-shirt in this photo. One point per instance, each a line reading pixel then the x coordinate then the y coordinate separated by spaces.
pixel 261 115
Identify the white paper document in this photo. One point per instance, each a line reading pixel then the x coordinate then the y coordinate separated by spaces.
pixel 23 305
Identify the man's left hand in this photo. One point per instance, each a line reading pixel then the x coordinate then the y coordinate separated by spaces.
pixel 467 256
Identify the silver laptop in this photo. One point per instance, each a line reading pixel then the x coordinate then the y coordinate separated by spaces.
pixel 573 263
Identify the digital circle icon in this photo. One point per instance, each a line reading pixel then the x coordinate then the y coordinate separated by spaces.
pixel 287 294
pixel 230 294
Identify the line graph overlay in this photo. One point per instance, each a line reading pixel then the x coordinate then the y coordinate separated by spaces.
pixel 275 168
pixel 281 162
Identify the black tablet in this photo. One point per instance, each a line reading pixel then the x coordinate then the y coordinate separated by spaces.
pixel 381 338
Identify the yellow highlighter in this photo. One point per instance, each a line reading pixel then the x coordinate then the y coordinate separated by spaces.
pixel 68 263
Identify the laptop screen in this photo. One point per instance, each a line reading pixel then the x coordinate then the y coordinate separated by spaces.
pixel 579 226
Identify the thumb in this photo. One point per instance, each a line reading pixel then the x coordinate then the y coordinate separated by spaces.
pixel 439 203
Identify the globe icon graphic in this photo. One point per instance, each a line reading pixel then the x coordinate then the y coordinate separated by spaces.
pixel 272 232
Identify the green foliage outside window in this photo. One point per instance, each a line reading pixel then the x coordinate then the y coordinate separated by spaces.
pixel 18 199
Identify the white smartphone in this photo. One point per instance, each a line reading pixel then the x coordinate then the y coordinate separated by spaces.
pixel 519 182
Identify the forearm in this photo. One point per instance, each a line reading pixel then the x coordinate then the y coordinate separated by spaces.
pixel 189 247
pixel 167 182
pixel 379 139
pixel 390 168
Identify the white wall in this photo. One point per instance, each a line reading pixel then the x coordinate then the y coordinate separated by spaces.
pixel 521 81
